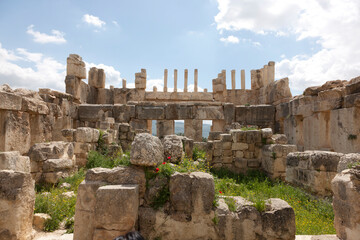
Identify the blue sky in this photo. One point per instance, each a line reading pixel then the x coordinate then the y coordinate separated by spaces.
pixel 311 41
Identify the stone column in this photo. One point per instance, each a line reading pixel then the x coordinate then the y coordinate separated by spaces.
pixel 233 80
pixel 154 89
pixel 193 129
pixel 124 83
pixel 195 80
pixel 165 80
pixel 223 79
pixel 164 127
pixel 149 126
pixel 265 76
pixel 185 80
pixel 243 79
pixel 271 71
pixel 175 80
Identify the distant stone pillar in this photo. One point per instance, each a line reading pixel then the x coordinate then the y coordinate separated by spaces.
pixel 185 80
pixel 154 89
pixel 165 127
pixel 175 80
pixel 193 129
pixel 271 71
pixel 223 79
pixel 195 80
pixel 140 79
pixel 243 79
pixel 205 89
pixel 124 83
pixel 149 126
pixel 233 86
pixel 265 76
pixel 165 80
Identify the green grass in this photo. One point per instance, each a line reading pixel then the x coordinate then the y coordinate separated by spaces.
pixel 313 216
pixel 98 159
pixel 249 127
pixel 51 201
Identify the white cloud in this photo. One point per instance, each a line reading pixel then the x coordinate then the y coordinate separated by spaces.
pixel 56 37
pixel 230 39
pixel 115 23
pixel 44 72
pixel 93 20
pixel 112 76
pixel 333 23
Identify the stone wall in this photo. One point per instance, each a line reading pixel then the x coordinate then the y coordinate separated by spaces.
pixel 28 117
pixel 313 170
pixel 346 188
pixel 323 118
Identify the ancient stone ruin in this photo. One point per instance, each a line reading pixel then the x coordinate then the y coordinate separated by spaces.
pixel 310 140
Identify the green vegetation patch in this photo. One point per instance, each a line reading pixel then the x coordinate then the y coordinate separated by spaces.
pixel 313 216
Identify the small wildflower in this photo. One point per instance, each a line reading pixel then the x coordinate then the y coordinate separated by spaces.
pixel 220 192
pixel 157 169
pixel 169 157
pixel 164 163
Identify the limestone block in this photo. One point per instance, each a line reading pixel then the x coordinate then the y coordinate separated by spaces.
pixel 240 163
pixel 352 100
pixel 225 137
pixel 214 135
pixel 238 135
pixel 266 132
pixel 239 154
pixel 173 148
pixel 347 161
pixel 345 187
pixel 146 150
pixel 352 87
pixel 14 161
pixel 97 77
pixel 239 146
pixel 192 192
pixel 9 101
pixel 75 66
pixel 39 220
pixel 253 136
pixel 94 112
pixel 124 127
pixel 193 129
pixel 68 134
pixel 229 113
pixel 278 139
pixel 259 115
pixel 325 161
pixel 139 125
pixel 179 111
pixel 188 146
pixel 116 208
pixel 279 221
pixel 86 135
pixel 119 175
pixel 52 150
pixel 17 199
pixel 144 112
pixel 164 127
pixel 15 133
pixel 226 145
pixel 210 112
pixel 52 165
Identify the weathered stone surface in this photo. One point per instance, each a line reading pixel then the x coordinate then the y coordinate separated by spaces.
pixel 39 220
pixel 53 165
pixel 173 148
pixel 92 113
pixel 346 206
pixel 193 129
pixel 191 192
pixel 313 170
pixel 209 112
pixel 347 161
pixel 53 150
pixel 118 175
pixel 266 132
pixel 116 208
pixel 9 101
pixel 86 135
pixel 146 150
pixel 75 66
pixel 164 127
pixel 279 139
pixel 14 161
pixel 97 77
pixel 151 112
pixel 17 199
pixel 260 115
